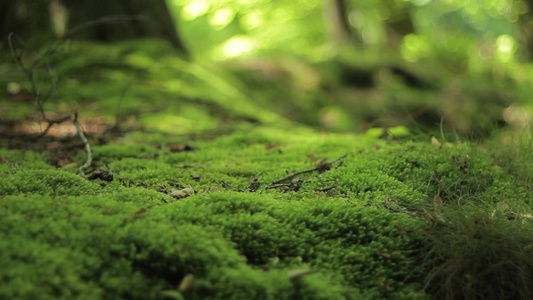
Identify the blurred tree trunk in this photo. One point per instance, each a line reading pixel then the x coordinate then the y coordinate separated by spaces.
pixel 101 20
pixel 336 15
pixel 526 30
pixel 24 17
pixel 398 27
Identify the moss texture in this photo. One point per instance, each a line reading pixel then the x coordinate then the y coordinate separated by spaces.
pixel 66 237
pixel 370 219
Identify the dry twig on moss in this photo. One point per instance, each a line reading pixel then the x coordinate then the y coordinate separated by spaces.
pixel 322 167
pixel 29 71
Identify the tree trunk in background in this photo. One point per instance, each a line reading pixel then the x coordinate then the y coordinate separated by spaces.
pixel 525 32
pixel 24 17
pixel 336 16
pixel 122 20
pixel 397 28
pixel 100 20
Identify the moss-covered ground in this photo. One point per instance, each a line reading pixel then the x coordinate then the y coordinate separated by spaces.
pixel 207 201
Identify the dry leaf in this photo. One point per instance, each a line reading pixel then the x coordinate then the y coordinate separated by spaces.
pixel 435 142
pixel 181 148
pixel 186 283
pixel 270 146
pixel 429 218
pixel 437 201
pixel 297 273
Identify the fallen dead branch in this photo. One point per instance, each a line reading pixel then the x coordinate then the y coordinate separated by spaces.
pixel 321 167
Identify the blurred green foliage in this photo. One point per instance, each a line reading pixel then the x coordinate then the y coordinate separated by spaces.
pixel 464 31
pixel 468 60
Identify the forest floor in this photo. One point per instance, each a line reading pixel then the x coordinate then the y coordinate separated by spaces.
pixel 196 192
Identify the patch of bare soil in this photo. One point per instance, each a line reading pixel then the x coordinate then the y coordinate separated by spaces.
pixel 60 141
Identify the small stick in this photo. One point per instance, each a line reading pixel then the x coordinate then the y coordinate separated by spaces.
pixel 274 186
pixel 294 174
pixel 51 123
pixel 339 158
pixel 319 167
pixel 326 188
pixel 87 163
pixel 229 187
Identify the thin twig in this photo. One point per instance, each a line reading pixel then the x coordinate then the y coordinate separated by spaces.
pixel 29 71
pixel 294 174
pixel 320 167
pixel 87 163
pixel 50 124
pixel 294 186
pixel 18 59
pixel 326 188
pixel 339 158
pixel 229 186
pixel 275 186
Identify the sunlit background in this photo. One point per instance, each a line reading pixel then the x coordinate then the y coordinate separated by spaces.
pixel 472 32
pixel 337 65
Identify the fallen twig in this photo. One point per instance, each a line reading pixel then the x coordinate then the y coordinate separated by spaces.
pixel 339 158
pixel 88 162
pixel 275 186
pixel 254 184
pixel 294 186
pixel 322 166
pixel 50 124
pixel 326 188
pixel 294 174
pixel 229 187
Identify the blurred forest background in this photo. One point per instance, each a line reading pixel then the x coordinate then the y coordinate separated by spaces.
pixel 340 65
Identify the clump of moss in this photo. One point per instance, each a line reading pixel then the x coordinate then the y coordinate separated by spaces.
pixel 367 248
pixel 415 173
pixel 123 150
pixel 12 160
pixel 477 254
pixel 514 154
pixel 47 182
pixel 234 244
pixel 359 240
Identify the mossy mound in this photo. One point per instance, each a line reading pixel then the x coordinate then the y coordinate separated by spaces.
pixel 356 229
pixel 237 246
pixel 213 197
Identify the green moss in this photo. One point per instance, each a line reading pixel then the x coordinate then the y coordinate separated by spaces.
pixel 362 239
pixel 480 254
pixel 13 160
pixel 15 111
pixel 118 250
pixel 47 182
pixel 361 245
pixel 123 150
pixel 361 228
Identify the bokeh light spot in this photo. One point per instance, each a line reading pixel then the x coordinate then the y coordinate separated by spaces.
pixel 222 17
pixel 506 46
pixel 194 9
